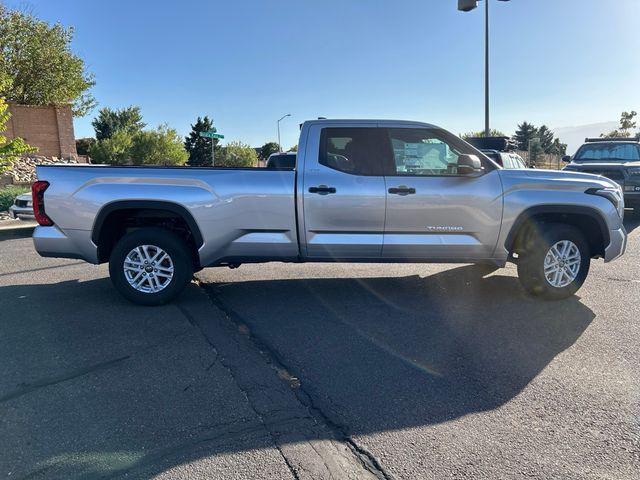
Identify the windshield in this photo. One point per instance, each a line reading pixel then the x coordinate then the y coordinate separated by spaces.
pixel 608 152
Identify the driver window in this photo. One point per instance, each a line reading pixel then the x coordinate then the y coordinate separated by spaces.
pixel 422 152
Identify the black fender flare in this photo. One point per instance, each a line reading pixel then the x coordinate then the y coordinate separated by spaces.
pixel 175 208
pixel 531 212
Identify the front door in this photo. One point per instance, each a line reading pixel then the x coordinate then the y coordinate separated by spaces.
pixel 432 211
pixel 344 193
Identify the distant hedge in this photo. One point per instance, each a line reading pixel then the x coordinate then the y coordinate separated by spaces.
pixel 8 195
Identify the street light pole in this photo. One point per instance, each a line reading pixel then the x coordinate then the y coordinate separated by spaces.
pixel 282 118
pixel 486 68
pixel 467 6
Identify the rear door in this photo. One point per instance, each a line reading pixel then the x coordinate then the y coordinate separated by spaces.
pixel 344 192
pixel 432 211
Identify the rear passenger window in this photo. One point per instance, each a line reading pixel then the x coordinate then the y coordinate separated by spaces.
pixel 357 151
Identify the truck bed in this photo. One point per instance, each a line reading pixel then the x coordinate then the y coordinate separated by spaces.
pixel 256 205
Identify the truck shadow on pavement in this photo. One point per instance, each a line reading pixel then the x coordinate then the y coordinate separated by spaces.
pixel 399 352
pixel 373 355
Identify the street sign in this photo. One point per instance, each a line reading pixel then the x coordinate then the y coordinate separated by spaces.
pixel 211 134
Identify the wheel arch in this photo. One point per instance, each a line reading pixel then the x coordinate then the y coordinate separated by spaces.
pixel 176 210
pixel 585 218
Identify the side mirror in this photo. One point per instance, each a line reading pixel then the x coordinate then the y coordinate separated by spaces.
pixel 469 165
pixel 566 158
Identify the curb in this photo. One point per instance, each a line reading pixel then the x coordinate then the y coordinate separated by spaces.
pixel 21 230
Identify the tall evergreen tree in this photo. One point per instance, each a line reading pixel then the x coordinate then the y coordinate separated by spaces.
pixel 546 138
pixel 558 148
pixel 525 132
pixel 199 148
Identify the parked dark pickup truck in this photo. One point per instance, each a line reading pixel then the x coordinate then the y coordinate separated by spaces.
pixel 614 158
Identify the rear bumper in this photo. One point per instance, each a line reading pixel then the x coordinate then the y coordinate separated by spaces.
pixel 53 242
pixel 617 244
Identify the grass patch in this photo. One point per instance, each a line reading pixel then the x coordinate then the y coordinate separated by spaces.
pixel 8 195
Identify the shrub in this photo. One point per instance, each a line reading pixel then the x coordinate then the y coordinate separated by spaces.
pixel 83 145
pixel 8 195
pixel 114 150
pixel 161 146
pixel 237 154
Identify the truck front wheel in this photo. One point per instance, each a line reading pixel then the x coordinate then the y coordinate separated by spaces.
pixel 150 266
pixel 556 263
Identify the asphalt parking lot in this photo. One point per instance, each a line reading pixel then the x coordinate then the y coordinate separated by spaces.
pixel 318 371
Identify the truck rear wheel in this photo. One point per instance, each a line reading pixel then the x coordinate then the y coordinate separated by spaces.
pixel 150 266
pixel 556 263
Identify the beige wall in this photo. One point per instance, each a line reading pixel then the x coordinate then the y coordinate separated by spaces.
pixel 47 127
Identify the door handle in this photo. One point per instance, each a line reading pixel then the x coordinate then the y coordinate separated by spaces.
pixel 322 190
pixel 402 190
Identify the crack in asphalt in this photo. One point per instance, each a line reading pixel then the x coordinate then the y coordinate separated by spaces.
pixel 231 370
pixel 30 387
pixel 52 267
pixel 26 388
pixel 274 359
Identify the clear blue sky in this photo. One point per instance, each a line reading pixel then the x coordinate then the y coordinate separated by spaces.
pixel 247 62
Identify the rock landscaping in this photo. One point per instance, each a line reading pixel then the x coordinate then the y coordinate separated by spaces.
pixel 24 169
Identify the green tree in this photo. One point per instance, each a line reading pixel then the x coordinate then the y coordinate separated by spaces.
pixel 199 148
pixel 268 149
pixel 558 148
pixel 546 138
pixel 162 146
pixel 523 135
pixel 109 121
pixel 10 150
pixel 535 150
pixel 627 124
pixel 492 133
pixel 83 145
pixel 293 149
pixel 115 150
pixel 38 59
pixel 237 154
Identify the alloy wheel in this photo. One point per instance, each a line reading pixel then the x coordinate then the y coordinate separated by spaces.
pixel 562 263
pixel 148 268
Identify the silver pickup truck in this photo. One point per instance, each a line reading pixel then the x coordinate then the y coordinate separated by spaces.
pixel 361 191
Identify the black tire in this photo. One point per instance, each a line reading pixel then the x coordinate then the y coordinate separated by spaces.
pixel 531 262
pixel 175 248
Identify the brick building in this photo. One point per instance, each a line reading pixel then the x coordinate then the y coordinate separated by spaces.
pixel 49 128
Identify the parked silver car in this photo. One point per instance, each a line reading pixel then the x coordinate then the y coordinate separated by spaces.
pixel 22 207
pixel 360 191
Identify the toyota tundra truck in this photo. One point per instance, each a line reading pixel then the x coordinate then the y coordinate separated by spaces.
pixel 360 191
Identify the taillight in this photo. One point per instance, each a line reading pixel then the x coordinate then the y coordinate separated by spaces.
pixel 37 193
